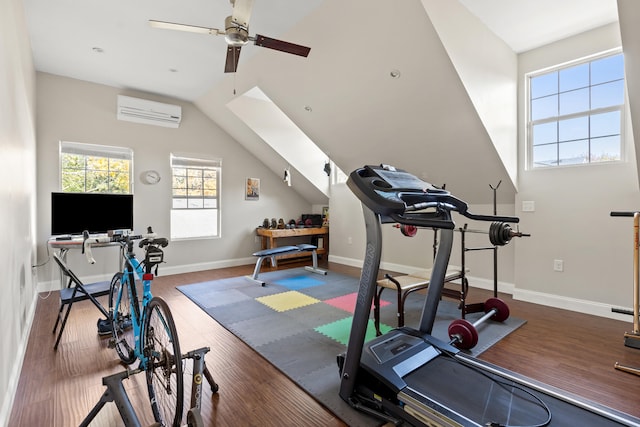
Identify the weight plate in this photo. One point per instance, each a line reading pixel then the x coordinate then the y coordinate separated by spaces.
pixel 408 230
pixel 502 309
pixel 463 333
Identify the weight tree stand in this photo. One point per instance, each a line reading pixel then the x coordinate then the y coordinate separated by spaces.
pixel 632 339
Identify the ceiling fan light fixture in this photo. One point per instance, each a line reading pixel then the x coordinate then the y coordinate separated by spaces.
pixel 234 34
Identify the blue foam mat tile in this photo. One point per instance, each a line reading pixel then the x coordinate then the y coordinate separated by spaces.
pixel 299 282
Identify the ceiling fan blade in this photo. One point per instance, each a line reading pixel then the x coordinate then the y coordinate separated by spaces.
pixel 233 55
pixel 282 46
pixel 184 27
pixel 241 12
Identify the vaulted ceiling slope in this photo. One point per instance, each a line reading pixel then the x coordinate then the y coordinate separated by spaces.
pixel 423 121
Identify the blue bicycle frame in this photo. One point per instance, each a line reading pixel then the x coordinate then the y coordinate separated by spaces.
pixel 133 270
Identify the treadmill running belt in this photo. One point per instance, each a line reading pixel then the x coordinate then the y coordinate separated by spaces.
pixel 485 398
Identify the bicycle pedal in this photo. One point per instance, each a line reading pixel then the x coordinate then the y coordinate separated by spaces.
pixel 112 343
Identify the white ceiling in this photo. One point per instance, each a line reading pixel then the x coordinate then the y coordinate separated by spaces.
pixel 64 34
pixel 525 24
pixel 342 96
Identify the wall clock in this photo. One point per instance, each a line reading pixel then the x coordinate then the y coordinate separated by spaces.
pixel 151 177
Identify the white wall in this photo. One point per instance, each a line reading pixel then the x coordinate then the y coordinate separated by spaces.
pixel 571 221
pixel 79 111
pixel 487 70
pixel 17 197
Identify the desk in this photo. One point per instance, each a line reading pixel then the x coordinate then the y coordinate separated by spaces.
pixel 64 246
pixel 318 235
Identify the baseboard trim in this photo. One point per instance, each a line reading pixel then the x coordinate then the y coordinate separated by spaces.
pixel 571 304
pixel 550 300
pixel 12 385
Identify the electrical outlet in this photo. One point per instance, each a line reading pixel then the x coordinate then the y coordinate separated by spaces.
pixel 558 265
pixel 349 240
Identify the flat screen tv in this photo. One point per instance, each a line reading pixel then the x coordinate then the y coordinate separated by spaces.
pixel 73 213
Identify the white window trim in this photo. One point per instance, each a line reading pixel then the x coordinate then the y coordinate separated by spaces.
pixel 529 124
pixel 199 160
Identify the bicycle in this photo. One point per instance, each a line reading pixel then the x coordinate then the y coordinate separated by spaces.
pixel 145 330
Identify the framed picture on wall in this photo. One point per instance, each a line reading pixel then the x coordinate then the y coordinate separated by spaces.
pixel 252 191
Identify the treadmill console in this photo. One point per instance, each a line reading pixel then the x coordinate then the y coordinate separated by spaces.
pixel 387 190
pixel 403 198
pixel 396 354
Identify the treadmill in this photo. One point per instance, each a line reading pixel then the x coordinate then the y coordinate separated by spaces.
pixel 407 376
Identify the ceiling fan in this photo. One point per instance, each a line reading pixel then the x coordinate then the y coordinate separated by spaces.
pixel 236 34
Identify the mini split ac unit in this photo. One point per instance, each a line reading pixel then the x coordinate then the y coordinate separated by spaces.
pixel 149 112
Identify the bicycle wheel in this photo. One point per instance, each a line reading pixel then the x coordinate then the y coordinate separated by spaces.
pixel 163 364
pixel 120 310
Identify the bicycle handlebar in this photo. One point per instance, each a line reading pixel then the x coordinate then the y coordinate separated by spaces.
pixel 148 238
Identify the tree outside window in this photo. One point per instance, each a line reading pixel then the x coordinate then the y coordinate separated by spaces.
pixel 89 168
pixel 195 209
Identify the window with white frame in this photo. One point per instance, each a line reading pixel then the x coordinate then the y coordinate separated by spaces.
pixel 195 210
pixel 90 168
pixel 576 113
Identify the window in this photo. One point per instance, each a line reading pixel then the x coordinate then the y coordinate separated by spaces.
pixel 575 113
pixel 89 168
pixel 195 210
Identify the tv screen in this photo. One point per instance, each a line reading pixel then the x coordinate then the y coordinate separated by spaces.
pixel 73 213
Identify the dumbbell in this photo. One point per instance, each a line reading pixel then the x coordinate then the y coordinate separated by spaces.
pixel 464 334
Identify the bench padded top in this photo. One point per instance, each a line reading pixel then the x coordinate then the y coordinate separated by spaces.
pixel 284 249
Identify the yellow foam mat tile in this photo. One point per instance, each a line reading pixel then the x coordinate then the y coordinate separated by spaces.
pixel 287 301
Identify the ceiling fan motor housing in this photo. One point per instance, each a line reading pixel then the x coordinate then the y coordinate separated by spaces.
pixel 235 34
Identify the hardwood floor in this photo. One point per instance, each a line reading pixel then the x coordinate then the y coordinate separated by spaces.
pixel 572 351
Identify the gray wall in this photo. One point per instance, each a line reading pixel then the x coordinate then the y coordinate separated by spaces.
pixel 17 197
pixel 78 111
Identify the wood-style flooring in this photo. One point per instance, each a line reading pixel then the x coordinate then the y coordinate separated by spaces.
pixel 572 351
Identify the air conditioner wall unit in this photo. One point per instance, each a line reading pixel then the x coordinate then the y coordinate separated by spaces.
pixel 148 112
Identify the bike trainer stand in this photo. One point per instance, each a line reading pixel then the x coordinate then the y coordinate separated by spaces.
pixel 116 393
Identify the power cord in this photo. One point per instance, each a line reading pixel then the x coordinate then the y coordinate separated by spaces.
pixel 506 385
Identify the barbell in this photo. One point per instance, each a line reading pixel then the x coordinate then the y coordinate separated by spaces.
pixel 464 334
pixel 500 233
